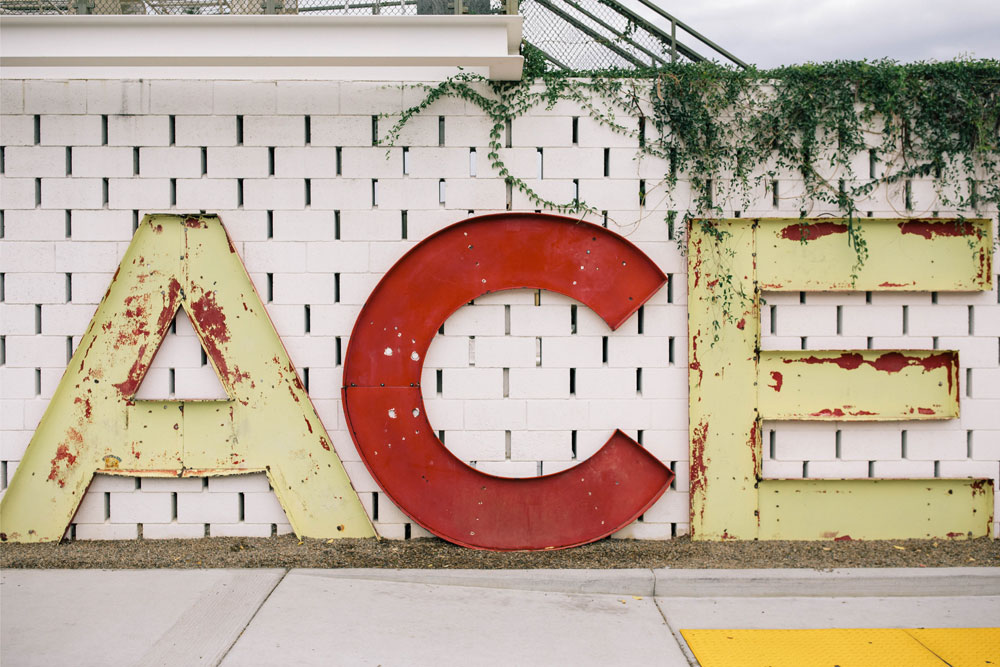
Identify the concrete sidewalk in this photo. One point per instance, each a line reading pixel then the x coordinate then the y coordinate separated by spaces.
pixel 461 617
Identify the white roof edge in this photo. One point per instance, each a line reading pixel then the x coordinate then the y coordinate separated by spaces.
pixel 70 46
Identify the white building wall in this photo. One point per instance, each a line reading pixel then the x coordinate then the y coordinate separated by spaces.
pixel 84 160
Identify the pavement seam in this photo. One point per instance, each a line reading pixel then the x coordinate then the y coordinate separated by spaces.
pixel 681 642
pixel 253 616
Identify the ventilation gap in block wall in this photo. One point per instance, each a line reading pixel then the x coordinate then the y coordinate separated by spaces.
pixel 104 192
pixel 340 161
pixel 604 217
pixel 937 469
pixel 771 444
pixel 872 163
pixel 2 225
pixel 171 381
pixel 506 319
pixel 104 130
pixel 69 161
pixel 173 507
pixel 538 351
pixel 439 382
pixel 642 131
pixel 604 350
pixel 840 321
pixel 374 130
pixel 638 382
pixel 908 195
pixel 509 133
pixel 308 194
pixel 239 193
pixel 775 196
pixel 572 319
pixel 641 320
pixel 673 482
pixel 270 161
pixel 204 357
pixel 472 350
pixel 805 470
pixel 935 343
pixel 972 323
pixel 406 161
pixel 572 382
pixel 135 161
pixel 541 163
pixel 836 447
pixel 172 130
pixel 472 163
pixel 406 531
pixel 375 506
pixel 338 356
pixel 670 351
pixel 440 130
pixel 374 193
pixel 903 445
pixel 274 530
pixel 336 288
pixel 906 320
pixel 38 318
pixel 774 320
pixel 173 192
pixel 968 382
pixel 242 504
pixel 305 379
pixel 3 475
pixel 968 444
pixel 308 130
pixel 68 225
pixel 642 193
pixel 204 160
pixel 38 129
pixel 308 319
pixel 3 350
pixel 336 225
pixel 2 294
pixel 3 160
pixel 804 343
pixel 135 221
pixel 576 190
pixel 69 287
pixel 239 130
pixel 38 382
pixel 270 224
pixel 871 469
pixel 802 298
pixel 270 287
pixel 441 192
pixel 107 506
pixel 576 131
pixel 69 349
pixel 403 231
pixel 38 192
pixel 506 445
pixel 509 187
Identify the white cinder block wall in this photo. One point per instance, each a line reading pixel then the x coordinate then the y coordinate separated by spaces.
pixel 520 383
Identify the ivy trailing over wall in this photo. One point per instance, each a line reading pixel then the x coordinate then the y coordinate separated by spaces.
pixel 841 129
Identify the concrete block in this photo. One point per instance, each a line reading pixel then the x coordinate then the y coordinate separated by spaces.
pixel 106 531
pixel 170 162
pixel 34 161
pixel 342 194
pixel 308 97
pixel 181 97
pixel 103 161
pixel 17 130
pixel 305 162
pixel 71 130
pixel 472 383
pixel 274 193
pixel 116 96
pixel 19 193
pixel 172 531
pixel 205 130
pixel 540 383
pixel 341 130
pixel 135 193
pixel 11 97
pixel 141 507
pixel 245 97
pixel 274 131
pixel 238 162
pixel 55 97
pixel 208 507
pixel 206 194
pixel 138 130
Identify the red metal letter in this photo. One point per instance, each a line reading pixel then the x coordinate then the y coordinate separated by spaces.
pixel 385 409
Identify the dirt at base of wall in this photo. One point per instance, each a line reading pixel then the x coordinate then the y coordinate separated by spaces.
pixel 289 551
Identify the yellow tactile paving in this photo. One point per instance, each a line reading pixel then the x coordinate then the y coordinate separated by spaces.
pixel 962 647
pixel 870 647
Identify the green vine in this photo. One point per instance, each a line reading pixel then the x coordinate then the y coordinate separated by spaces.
pixel 736 135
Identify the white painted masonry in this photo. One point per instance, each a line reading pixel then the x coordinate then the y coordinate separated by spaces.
pixel 520 383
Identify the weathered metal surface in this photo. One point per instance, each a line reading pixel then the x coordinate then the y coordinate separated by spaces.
pixel 860 385
pixel 384 406
pixel 904 255
pixel 733 385
pixel 94 424
pixel 723 337
pixel 875 509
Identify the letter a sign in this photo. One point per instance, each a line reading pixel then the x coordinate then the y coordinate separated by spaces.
pixel 94 424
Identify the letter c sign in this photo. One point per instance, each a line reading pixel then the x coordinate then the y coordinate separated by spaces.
pixel 385 409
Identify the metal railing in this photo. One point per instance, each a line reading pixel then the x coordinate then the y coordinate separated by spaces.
pixel 570 34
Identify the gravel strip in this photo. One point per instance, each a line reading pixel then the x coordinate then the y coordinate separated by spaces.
pixel 288 551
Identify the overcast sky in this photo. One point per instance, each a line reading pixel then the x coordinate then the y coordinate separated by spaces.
pixel 770 33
